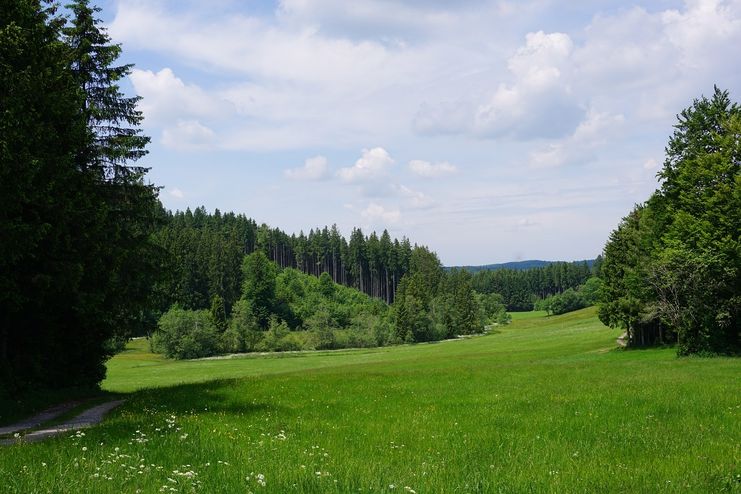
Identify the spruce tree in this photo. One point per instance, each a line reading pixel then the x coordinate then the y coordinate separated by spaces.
pixel 127 210
pixel 42 203
pixel 114 140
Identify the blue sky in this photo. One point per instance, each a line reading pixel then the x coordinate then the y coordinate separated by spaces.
pixel 489 130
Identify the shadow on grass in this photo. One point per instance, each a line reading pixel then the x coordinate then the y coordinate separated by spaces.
pixel 151 406
pixel 29 403
pixel 216 396
pixel 149 413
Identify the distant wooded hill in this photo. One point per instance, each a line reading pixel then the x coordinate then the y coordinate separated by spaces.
pixel 516 265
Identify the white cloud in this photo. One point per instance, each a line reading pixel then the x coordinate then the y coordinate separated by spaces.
pixel 314 169
pixel 176 193
pixel 649 65
pixel 585 94
pixel 414 198
pixel 540 90
pixel 372 165
pixel 166 97
pixel 188 135
pixel 385 19
pixel 650 164
pixel 293 77
pixel 431 170
pixel 539 63
pixel 522 109
pixel 594 131
pixel 377 214
pixel 705 28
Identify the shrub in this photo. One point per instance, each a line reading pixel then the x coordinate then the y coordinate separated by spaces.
pixel 272 341
pixel 568 301
pixel 243 332
pixel 185 334
pixel 591 290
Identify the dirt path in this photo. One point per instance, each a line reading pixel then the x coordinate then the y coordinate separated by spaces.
pixel 40 418
pixel 87 418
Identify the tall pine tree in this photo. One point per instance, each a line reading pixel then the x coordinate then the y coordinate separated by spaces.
pixel 127 209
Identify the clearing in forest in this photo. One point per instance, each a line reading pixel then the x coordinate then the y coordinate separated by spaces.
pixel 546 404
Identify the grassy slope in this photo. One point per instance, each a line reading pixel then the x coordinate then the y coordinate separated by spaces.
pixel 544 405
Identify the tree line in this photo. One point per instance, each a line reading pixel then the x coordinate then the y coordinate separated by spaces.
pixel 672 268
pixel 521 289
pixel 283 309
pixel 205 252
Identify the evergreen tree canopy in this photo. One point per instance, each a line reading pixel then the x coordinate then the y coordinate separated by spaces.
pixel 77 263
pixel 672 269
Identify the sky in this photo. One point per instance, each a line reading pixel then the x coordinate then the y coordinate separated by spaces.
pixel 490 131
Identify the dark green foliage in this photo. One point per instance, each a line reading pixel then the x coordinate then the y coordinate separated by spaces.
pixel 39 188
pixel 74 254
pixel 218 313
pixel 300 312
pixel 520 288
pixel 326 285
pixel 113 138
pixel 672 269
pixel 259 286
pixel 206 251
pixel 185 334
pixel 626 257
pixel 493 310
pixel 128 263
pixel 243 334
pixel 433 304
pixel 457 307
pixel 568 301
pixel 414 299
pixel 205 254
pixel 413 321
pixel 591 290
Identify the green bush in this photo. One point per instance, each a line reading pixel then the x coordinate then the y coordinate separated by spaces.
pixel 243 333
pixel 185 334
pixel 276 339
pixel 568 301
pixel 591 290
pixel 493 310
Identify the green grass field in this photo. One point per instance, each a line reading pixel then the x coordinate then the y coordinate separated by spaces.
pixel 546 404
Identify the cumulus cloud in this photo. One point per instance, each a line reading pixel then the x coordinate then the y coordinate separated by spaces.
pixel 166 97
pixel 540 91
pixel 704 29
pixel 188 135
pixel 314 169
pixel 287 67
pixel 431 170
pixel 377 214
pixel 372 165
pixel 595 130
pixel 527 107
pixel 413 198
pixel 653 63
pixel 176 193
pixel 650 164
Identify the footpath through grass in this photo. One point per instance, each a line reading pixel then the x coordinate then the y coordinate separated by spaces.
pixel 542 405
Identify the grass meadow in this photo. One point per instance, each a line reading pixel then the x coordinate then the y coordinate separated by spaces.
pixel 546 404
